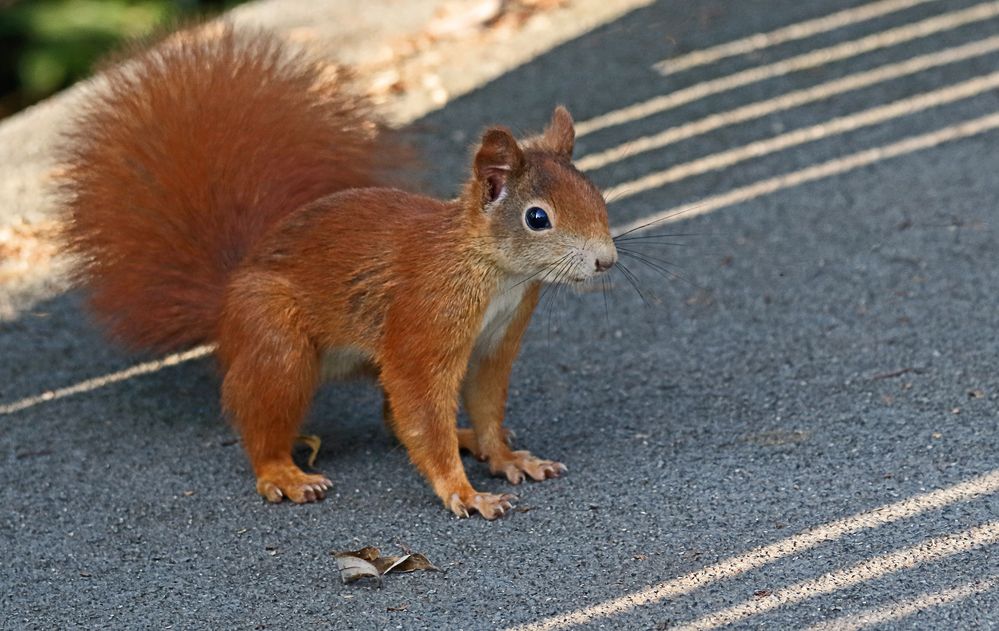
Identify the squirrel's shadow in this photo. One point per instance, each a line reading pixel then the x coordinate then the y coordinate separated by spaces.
pixel 67 380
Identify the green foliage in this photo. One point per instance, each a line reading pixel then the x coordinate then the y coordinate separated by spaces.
pixel 46 45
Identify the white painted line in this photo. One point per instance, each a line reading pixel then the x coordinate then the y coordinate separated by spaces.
pixel 812 59
pixel 105 380
pixel 905 608
pixel 731 567
pixel 928 551
pixel 788 101
pixel 793 32
pixel 852 122
pixel 836 166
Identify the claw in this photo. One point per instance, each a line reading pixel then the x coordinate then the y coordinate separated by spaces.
pixel 514 475
pixel 273 495
pixel 279 482
pixel 458 507
pixel 488 505
pixel 316 491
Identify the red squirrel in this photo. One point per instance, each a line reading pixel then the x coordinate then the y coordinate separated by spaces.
pixel 223 189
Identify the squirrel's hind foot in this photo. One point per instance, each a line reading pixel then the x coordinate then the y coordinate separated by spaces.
pixel 518 463
pixel 468 442
pixel 288 481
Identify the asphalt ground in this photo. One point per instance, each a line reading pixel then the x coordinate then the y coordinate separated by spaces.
pixel 800 431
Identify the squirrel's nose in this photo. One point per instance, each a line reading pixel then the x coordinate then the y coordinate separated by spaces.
pixel 605 264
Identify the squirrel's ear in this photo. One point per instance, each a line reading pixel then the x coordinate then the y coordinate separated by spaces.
pixel 498 157
pixel 560 135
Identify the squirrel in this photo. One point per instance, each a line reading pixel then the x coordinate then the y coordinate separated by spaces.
pixel 222 189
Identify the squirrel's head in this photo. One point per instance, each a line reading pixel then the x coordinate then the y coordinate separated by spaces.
pixel 544 217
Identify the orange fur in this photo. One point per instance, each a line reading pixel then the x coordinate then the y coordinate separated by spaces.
pixel 188 156
pixel 218 195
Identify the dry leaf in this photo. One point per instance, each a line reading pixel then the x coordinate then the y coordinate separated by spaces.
pixel 368 562
pixel 313 442
pixel 412 563
pixel 353 568
pixel 369 553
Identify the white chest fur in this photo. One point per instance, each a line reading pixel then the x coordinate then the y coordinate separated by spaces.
pixel 343 362
pixel 500 311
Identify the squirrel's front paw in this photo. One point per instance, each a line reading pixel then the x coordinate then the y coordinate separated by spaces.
pixel 489 505
pixel 288 481
pixel 517 463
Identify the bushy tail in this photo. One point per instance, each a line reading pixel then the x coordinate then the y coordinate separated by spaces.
pixel 187 155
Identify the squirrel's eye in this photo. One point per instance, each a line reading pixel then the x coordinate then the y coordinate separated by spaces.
pixel 537 219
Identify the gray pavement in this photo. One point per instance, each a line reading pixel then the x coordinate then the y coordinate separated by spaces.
pixel 833 354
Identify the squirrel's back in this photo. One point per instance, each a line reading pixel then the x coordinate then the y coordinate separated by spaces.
pixel 186 156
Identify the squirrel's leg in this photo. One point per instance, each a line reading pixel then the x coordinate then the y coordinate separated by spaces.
pixel 466 435
pixel 484 392
pixel 468 442
pixel 271 373
pixel 423 416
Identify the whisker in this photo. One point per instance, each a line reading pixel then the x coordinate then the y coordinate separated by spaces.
pixel 660 235
pixel 603 288
pixel 618 193
pixel 685 209
pixel 559 293
pixel 675 237
pixel 556 271
pixel 552 291
pixel 670 246
pixel 545 269
pixel 664 243
pixel 660 265
pixel 552 271
pixel 630 276
pixel 658 270
pixel 665 262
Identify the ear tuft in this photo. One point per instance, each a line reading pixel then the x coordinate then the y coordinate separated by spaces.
pixel 499 156
pixel 560 135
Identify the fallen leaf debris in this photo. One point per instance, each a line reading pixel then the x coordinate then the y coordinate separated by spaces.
pixel 368 562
